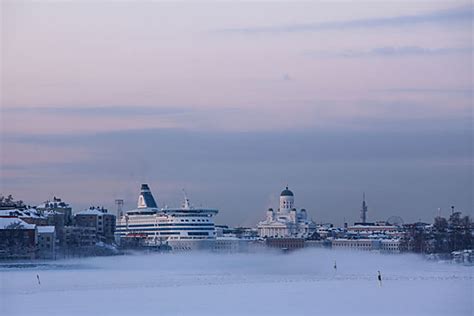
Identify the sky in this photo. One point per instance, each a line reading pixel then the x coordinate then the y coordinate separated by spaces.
pixel 232 101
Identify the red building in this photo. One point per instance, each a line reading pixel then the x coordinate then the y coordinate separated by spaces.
pixel 18 239
pixel 285 243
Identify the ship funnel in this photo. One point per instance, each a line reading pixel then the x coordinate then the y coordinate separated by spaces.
pixel 146 200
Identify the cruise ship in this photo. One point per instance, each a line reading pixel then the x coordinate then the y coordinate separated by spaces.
pixel 182 228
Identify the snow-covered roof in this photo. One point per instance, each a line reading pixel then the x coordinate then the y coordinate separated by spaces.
pixel 390 240
pixel 7 221
pixel 93 211
pixel 46 229
pixel 12 212
pixel 31 213
pixel 50 212
pixel 55 203
pixel 372 227
pixel 90 212
pixel 366 239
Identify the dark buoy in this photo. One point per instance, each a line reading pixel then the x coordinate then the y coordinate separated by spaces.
pixel 38 277
pixel 335 265
pixel 379 277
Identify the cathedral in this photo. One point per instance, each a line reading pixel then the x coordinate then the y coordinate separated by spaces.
pixel 287 221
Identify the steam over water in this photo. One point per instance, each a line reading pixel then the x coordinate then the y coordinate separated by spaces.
pixel 299 283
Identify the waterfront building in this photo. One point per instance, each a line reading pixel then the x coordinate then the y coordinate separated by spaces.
pixel 286 221
pixel 356 244
pixel 326 230
pixel 387 245
pixel 100 220
pixel 372 229
pixel 232 244
pixel 391 245
pixel 40 218
pixel 18 239
pixel 76 237
pixel 285 243
pixel 57 206
pixel 46 242
pixel 29 215
pixel 322 243
pixel 463 256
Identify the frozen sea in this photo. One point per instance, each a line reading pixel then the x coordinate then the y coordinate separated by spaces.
pixel 299 283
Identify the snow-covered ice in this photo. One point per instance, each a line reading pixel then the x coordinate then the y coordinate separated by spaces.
pixel 298 283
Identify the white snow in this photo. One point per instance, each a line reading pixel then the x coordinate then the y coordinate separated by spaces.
pixel 10 212
pixel 7 221
pixel 46 229
pixel 29 213
pixel 91 212
pixel 267 283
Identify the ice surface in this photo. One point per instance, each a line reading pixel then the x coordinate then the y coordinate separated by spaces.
pixel 299 283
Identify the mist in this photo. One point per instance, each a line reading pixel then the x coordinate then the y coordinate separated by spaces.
pixel 300 283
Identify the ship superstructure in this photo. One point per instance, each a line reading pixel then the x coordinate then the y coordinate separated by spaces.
pixel 182 228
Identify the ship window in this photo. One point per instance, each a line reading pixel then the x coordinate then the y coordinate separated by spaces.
pixel 198 234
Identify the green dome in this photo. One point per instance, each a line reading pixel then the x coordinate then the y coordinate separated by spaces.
pixel 286 192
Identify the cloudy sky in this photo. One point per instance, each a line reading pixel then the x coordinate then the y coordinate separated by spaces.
pixel 234 100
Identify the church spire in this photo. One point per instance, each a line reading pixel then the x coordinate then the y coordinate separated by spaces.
pixel 363 211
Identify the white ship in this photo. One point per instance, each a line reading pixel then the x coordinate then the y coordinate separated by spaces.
pixel 184 228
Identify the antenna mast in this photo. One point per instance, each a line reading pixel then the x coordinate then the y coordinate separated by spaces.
pixel 186 204
pixel 363 211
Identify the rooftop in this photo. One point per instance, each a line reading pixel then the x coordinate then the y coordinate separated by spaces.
pixel 46 229
pixel 31 213
pixel 286 192
pixel 93 211
pixel 6 222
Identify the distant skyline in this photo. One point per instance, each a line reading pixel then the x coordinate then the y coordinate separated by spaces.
pixel 234 100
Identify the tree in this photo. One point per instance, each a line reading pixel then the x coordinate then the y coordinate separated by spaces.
pixel 467 239
pixel 440 224
pixel 9 199
pixel 459 232
pixel 416 239
pixel 315 236
pixel 440 235
pixel 15 225
pixel 455 232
